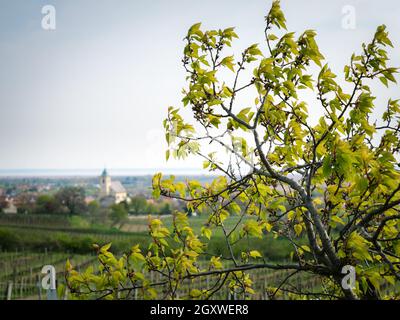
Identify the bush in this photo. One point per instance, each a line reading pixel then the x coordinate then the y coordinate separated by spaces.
pixel 64 241
pixel 273 250
pixel 78 222
pixel 9 240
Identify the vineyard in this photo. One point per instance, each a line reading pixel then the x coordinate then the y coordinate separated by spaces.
pixel 28 243
pixel 20 272
pixel 20 277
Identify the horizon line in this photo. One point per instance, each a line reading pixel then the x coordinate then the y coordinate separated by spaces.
pixel 46 172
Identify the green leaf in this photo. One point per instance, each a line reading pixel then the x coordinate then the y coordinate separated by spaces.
pixel 207 232
pixel 228 62
pixel 195 293
pixel 338 220
pixel 253 228
pixel 215 263
pixel 384 81
pixel 298 228
pixel 105 247
pixel 68 265
pixel 194 28
pixel 276 16
pixel 255 254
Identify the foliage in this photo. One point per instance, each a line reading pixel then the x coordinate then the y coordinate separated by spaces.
pixel 78 222
pixel 64 240
pixel 68 200
pixel 71 200
pixel 119 213
pixel 26 202
pixel 138 205
pixel 93 207
pixel 333 183
pixel 47 204
pixel 3 203
pixel 165 209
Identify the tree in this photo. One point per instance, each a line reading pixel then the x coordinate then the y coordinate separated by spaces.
pixel 119 214
pixel 152 209
pixel 138 205
pixel 26 202
pixel 47 204
pixel 3 203
pixel 72 200
pixel 333 185
pixel 93 207
pixel 165 209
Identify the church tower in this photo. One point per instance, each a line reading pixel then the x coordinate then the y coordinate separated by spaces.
pixel 105 184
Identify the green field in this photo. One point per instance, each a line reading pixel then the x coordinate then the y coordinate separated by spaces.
pixel 30 241
pixel 40 232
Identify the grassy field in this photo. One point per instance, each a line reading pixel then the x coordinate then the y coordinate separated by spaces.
pixel 271 249
pixel 80 240
pixel 69 241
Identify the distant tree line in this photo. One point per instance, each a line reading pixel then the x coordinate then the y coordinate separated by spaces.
pixel 67 200
pixel 71 201
pixel 139 205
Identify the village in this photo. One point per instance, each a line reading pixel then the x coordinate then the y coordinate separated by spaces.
pixel 20 195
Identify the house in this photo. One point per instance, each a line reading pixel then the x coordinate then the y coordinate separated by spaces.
pixel 111 192
pixel 11 208
pixel 89 199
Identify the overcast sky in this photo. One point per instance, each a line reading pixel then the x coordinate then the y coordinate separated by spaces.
pixel 94 91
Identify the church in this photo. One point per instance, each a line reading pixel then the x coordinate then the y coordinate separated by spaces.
pixel 111 192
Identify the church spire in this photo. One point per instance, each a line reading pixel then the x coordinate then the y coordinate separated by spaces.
pixel 105 173
pixel 105 184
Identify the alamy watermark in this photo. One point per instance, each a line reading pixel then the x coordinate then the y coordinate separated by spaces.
pixel 49 17
pixel 349 20
pixel 349 280
pixel 49 282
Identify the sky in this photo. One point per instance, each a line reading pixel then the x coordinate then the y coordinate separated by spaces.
pixel 94 91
